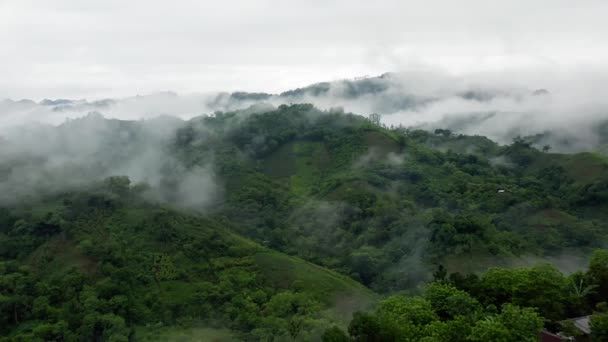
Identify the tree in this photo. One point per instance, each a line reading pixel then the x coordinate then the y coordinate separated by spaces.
pixel 490 329
pixel 162 268
pixel 440 274
pixel 580 292
pixel 598 275
pixel 118 185
pixel 444 132
pixel 403 318
pixel 416 310
pixel 542 287
pixel 375 118
pixel 545 288
pixel 365 327
pixel 449 302
pixel 456 330
pixel 335 334
pixel 16 291
pixel 51 331
pixel 599 326
pixel 524 324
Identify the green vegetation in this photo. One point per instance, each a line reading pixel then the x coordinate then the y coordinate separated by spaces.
pixel 321 214
pixel 499 305
pixel 103 263
pixel 383 206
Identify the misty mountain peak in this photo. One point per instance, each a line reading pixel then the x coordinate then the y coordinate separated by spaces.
pixel 540 92
pixel 57 102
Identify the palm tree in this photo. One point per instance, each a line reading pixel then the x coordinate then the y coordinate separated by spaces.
pixel 580 291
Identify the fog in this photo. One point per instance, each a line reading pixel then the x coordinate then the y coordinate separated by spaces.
pixel 37 159
pixel 566 106
pixel 60 143
pixel 66 48
pixel 569 106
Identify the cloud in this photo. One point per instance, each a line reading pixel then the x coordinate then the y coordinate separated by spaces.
pixel 501 105
pixel 37 160
pixel 65 48
pixel 568 110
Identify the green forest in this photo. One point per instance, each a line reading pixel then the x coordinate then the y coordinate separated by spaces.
pixel 329 226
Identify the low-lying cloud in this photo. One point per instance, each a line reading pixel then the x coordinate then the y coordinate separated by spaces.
pixel 566 107
pixel 37 159
pixel 564 110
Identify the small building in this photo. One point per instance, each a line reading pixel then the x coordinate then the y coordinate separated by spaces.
pixel 582 323
pixel 546 336
pixel 575 329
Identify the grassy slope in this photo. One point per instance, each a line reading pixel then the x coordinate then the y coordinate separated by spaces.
pixel 341 294
pixel 583 168
pixel 225 250
pixel 302 164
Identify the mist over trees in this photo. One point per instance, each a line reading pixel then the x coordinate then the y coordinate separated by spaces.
pixel 239 170
pixel 559 113
pixel 283 222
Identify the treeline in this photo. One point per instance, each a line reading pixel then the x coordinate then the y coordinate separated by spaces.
pixel 368 201
pixel 105 265
pixel 500 305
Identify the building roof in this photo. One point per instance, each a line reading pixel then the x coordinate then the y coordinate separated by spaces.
pixel 546 336
pixel 582 323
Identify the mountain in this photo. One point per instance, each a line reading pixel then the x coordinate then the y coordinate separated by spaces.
pixel 269 222
pixel 102 264
pixel 560 117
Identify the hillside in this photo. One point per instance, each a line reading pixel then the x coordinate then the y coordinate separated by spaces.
pixel 370 202
pixel 269 223
pixel 105 265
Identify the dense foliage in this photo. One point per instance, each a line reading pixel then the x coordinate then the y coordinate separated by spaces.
pixel 361 203
pixel 371 202
pixel 93 266
pixel 499 305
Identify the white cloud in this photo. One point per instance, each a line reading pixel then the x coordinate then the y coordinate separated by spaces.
pixel 95 49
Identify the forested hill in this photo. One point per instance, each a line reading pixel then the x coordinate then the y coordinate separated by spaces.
pixel 279 224
pixel 370 202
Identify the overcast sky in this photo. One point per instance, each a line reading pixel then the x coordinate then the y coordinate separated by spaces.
pixel 112 48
